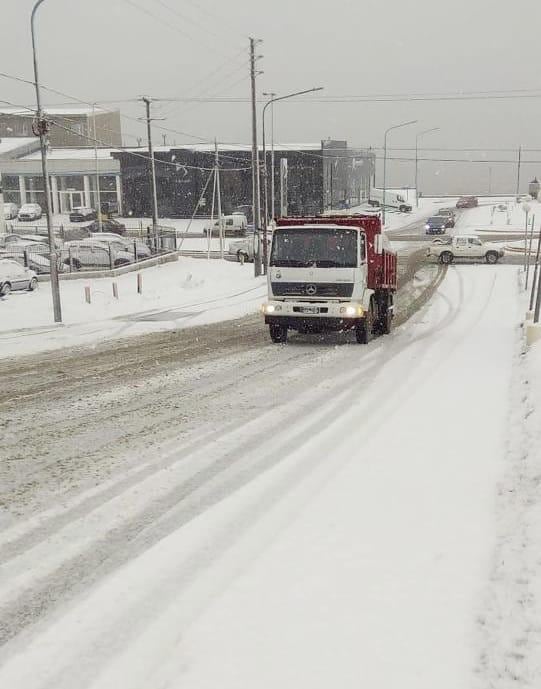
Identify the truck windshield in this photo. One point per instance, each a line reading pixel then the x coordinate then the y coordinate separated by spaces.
pixel 322 248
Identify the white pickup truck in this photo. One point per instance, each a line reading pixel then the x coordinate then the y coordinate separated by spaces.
pixel 448 249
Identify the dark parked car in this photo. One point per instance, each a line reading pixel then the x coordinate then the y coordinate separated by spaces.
pixel 82 213
pixel 467 202
pixel 438 224
pixel 108 225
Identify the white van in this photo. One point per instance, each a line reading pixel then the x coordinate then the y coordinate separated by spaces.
pixel 234 225
pixel 393 199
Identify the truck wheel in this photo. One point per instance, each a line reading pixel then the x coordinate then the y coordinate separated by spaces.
pixel 364 331
pixel 491 257
pixel 386 321
pixel 446 257
pixel 278 333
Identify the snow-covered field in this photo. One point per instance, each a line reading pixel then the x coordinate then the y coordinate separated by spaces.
pixel 386 538
pixel 175 295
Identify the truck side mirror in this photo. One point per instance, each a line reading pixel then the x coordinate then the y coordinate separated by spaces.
pixel 379 244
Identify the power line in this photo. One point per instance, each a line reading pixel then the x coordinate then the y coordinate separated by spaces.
pixel 174 27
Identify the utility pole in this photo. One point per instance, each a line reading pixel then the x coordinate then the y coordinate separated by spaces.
pixel 518 169
pixel 164 137
pixel 41 128
pixel 256 205
pixel 490 180
pixel 219 198
pixel 100 224
pixel 147 102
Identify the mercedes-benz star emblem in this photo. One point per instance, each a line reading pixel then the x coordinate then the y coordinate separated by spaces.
pixel 311 290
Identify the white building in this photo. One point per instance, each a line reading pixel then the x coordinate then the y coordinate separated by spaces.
pixel 72 171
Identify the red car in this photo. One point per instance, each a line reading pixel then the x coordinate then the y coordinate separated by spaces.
pixel 467 202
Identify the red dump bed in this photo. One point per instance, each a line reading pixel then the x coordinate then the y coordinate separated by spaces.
pixel 382 271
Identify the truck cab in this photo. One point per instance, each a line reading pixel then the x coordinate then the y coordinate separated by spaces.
pixel 331 273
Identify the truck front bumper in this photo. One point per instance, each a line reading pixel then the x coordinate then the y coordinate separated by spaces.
pixel 313 315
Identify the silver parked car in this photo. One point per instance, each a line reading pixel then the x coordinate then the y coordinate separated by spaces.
pixel 13 277
pixel 89 253
pixel 29 211
pixel 131 245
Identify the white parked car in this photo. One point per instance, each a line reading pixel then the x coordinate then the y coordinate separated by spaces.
pixel 13 277
pixel 29 211
pixel 131 245
pixel 10 211
pixel 89 253
pixel 233 225
pixel 447 250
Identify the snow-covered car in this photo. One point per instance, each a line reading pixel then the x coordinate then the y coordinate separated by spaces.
pixel 13 277
pixel 29 211
pixel 82 213
pixel 133 245
pixel 465 247
pixel 90 253
pixel 10 211
pixel 34 255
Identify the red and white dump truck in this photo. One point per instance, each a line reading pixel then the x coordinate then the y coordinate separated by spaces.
pixel 335 272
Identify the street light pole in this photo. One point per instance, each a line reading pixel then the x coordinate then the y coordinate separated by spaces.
pixel 41 128
pixel 418 136
pixel 272 95
pixel 396 126
pixel 265 185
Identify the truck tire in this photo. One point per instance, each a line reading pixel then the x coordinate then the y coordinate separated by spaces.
pixel 386 318
pixel 446 257
pixel 492 257
pixel 278 333
pixel 364 331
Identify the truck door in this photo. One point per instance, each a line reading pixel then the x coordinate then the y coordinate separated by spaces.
pixel 461 246
pixel 476 248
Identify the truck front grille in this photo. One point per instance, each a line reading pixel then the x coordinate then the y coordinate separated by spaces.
pixel 312 289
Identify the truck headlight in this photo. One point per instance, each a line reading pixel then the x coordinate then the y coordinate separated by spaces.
pixel 270 308
pixel 351 311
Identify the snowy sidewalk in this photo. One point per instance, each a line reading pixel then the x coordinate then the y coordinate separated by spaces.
pixel 356 556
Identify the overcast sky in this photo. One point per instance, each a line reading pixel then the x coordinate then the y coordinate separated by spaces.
pixel 120 49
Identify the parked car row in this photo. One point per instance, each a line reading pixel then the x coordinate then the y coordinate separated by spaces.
pixel 33 211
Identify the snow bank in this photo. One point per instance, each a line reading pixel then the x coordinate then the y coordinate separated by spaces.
pixel 188 291
pixel 508 622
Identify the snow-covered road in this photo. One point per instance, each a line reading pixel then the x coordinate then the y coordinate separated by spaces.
pixel 333 527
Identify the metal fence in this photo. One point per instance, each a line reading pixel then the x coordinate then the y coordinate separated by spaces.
pixel 90 254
